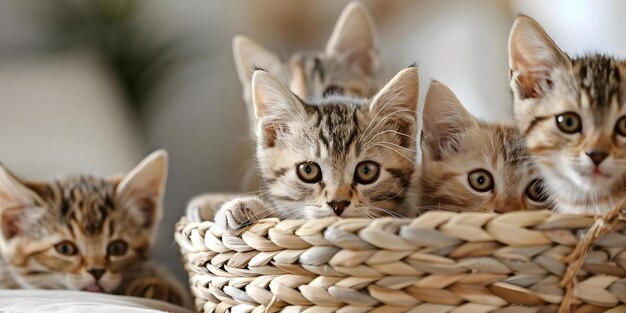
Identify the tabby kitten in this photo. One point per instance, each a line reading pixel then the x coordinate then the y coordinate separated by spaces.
pixel 348 66
pixel 337 156
pixel 572 114
pixel 471 165
pixel 85 233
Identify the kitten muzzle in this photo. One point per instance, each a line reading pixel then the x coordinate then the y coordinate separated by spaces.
pixel 338 206
pixel 597 157
pixel 95 287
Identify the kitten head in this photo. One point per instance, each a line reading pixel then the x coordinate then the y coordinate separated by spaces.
pixel 471 165
pixel 348 66
pixel 570 111
pixel 80 232
pixel 341 156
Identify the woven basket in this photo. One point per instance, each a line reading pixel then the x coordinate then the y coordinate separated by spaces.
pixel 438 262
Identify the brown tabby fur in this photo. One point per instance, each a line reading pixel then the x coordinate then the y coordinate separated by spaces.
pixel 91 213
pixel 336 133
pixel 455 143
pixel 547 83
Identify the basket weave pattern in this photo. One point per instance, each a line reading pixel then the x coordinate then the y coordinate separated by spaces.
pixel 438 262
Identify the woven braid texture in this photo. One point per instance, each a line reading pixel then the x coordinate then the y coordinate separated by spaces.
pixel 439 262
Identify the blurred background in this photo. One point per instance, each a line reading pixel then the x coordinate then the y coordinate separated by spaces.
pixel 94 86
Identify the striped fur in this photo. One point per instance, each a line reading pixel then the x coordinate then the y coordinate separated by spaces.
pixel 348 66
pixel 90 213
pixel 455 144
pixel 337 133
pixel 546 83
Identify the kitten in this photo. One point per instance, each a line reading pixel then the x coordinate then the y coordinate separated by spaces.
pixel 572 114
pixel 85 233
pixel 337 156
pixel 471 165
pixel 349 65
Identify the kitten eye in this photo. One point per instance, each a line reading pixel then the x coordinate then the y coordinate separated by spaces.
pixel 309 172
pixel 117 248
pixel 620 126
pixel 333 90
pixel 366 172
pixel 66 247
pixel 535 191
pixel 480 180
pixel 569 122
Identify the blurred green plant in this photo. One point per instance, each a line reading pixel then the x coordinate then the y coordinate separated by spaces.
pixel 137 54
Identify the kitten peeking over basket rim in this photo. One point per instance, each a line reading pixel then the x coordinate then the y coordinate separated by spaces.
pixel 572 113
pixel 349 65
pixel 472 165
pixel 338 156
pixel 83 232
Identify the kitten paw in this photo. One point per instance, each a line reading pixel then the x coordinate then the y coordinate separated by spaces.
pixel 240 212
pixel 153 288
pixel 203 207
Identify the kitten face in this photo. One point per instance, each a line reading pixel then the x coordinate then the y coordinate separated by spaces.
pixel 572 115
pixel 470 165
pixel 348 66
pixel 80 232
pixel 341 156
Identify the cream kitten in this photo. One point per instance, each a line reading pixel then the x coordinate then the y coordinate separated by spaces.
pixel 86 233
pixel 572 114
pixel 337 156
pixel 471 165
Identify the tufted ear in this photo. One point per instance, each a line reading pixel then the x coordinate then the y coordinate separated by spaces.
pixel 274 106
pixel 444 117
pixel 18 204
pixel 249 55
pixel 354 38
pixel 533 56
pixel 141 190
pixel 397 102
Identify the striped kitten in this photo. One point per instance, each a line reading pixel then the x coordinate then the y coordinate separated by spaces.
pixel 85 233
pixel 572 113
pixel 337 156
pixel 471 165
pixel 348 66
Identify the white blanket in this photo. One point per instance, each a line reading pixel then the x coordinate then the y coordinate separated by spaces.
pixel 27 301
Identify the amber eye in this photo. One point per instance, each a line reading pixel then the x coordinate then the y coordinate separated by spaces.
pixel 66 247
pixel 481 180
pixel 366 172
pixel 620 126
pixel 569 122
pixel 117 248
pixel 309 172
pixel 333 90
pixel 535 191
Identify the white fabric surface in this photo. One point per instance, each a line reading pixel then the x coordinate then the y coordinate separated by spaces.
pixel 27 301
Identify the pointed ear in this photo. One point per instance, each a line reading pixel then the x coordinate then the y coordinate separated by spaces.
pixel 354 38
pixel 533 56
pixel 274 106
pixel 250 55
pixel 141 190
pixel 16 203
pixel 397 102
pixel 444 117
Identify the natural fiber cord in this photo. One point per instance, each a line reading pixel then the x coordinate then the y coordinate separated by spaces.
pixel 576 259
pixel 438 262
